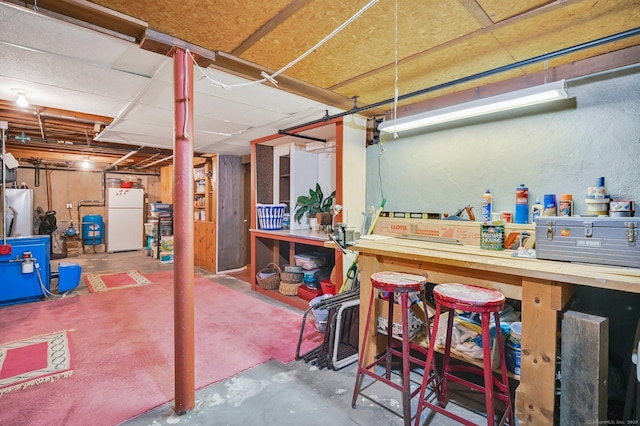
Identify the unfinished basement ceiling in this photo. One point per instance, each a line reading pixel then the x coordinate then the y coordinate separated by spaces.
pixel 122 72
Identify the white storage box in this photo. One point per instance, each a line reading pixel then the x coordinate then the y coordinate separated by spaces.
pixel 415 323
pixel 310 261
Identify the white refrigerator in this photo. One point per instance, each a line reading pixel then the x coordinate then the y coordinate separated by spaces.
pixel 125 221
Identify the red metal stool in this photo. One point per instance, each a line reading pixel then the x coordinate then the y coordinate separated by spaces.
pixel 401 284
pixel 485 302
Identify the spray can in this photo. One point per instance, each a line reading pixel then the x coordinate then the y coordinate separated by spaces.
pixel 536 211
pixel 487 201
pixel 565 205
pixel 522 204
pixel 550 206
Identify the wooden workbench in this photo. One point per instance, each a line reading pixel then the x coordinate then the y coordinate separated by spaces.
pixel 544 287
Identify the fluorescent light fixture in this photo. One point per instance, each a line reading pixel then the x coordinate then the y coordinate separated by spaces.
pixel 507 101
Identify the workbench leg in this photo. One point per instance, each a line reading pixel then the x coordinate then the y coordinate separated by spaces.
pixel 535 396
pixel 367 265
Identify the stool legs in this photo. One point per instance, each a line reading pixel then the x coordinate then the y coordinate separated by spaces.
pixel 430 361
pixel 392 349
pixel 487 372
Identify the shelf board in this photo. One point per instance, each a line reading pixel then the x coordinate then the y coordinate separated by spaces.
pixel 294 301
pixel 421 339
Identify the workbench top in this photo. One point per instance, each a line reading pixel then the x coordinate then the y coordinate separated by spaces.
pixel 502 261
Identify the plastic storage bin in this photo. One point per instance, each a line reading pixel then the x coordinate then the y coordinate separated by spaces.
pixel 68 276
pixel 270 216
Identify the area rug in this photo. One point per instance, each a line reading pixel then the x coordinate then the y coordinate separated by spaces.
pixel 34 360
pixel 123 349
pixel 105 282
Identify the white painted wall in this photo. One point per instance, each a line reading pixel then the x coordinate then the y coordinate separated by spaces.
pixel 596 133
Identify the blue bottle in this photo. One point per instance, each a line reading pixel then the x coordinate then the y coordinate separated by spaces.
pixel 487 200
pixel 522 204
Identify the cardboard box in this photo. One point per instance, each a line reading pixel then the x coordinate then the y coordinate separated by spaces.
pixel 416 319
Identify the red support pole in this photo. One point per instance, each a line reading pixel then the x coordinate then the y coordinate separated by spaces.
pixel 184 270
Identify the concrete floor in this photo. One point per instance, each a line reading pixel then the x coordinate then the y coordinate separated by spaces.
pixel 273 393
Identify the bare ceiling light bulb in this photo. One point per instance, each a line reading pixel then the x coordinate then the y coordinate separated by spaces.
pixel 22 101
pixel 85 164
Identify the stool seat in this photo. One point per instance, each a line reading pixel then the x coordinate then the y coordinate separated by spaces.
pixel 397 282
pixel 462 294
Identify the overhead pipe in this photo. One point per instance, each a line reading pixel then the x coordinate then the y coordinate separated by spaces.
pixel 157 161
pixel 124 157
pixel 530 61
pixel 296 135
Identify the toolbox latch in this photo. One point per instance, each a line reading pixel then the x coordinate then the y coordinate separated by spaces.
pixel 550 230
pixel 588 229
pixel 631 233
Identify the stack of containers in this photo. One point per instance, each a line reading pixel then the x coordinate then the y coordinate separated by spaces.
pixel 598 199
pixel 621 208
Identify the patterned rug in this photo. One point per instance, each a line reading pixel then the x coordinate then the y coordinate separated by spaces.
pixel 34 360
pixel 105 282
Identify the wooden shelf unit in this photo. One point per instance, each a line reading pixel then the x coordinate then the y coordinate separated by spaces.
pixel 280 248
pixel 219 243
pixel 284 192
pixel 284 167
pixel 203 188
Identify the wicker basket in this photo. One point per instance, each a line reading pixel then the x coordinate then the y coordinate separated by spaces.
pixel 289 289
pixel 271 282
pixel 291 277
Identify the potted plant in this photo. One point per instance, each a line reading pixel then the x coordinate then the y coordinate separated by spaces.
pixel 313 204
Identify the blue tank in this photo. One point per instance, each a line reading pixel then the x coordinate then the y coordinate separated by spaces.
pixel 92 229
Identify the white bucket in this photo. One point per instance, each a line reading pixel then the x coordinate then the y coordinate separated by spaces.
pixel 319 315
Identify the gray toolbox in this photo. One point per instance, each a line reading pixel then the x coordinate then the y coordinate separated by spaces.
pixel 601 240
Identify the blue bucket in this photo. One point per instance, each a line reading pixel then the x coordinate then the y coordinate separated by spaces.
pixel 68 276
pixel 92 229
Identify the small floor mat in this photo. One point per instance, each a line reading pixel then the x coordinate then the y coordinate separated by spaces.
pixel 34 360
pixel 106 282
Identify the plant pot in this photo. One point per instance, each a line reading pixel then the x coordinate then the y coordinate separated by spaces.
pixel 324 218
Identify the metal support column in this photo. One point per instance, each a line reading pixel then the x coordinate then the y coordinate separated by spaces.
pixel 183 281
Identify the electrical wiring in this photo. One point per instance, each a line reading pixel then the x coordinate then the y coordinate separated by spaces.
pixel 45 292
pixel 395 67
pixel 271 78
pixel 185 94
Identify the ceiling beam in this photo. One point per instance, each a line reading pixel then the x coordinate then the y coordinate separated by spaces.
pixel 89 15
pixel 477 12
pixel 164 44
pixel 270 25
pixel 583 68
